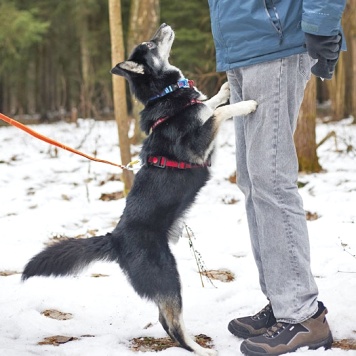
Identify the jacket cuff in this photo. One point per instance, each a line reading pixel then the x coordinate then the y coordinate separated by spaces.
pixel 319 25
pixel 323 27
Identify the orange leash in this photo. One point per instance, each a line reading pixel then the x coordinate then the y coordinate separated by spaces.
pixel 58 144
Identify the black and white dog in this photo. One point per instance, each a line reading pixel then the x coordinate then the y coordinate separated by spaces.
pixel 176 154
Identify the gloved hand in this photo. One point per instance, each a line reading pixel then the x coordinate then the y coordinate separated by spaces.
pixel 326 50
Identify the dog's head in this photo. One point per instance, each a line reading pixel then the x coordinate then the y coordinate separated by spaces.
pixel 148 69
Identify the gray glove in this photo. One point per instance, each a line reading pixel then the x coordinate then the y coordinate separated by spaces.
pixel 326 50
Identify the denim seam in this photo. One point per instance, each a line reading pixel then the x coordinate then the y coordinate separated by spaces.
pixel 287 226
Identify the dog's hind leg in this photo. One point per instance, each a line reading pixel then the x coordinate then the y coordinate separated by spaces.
pixel 170 316
pixel 152 271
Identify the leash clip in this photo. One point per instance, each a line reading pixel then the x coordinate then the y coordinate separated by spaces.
pixel 130 165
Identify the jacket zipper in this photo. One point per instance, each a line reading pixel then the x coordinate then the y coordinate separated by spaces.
pixel 273 16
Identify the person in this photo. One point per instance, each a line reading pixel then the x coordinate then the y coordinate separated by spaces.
pixel 269 48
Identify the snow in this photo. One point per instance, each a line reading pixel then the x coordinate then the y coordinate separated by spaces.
pixel 47 192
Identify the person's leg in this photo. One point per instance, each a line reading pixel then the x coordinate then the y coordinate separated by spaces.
pixel 267 172
pixel 243 179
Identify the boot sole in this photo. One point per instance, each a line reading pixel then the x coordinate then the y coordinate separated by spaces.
pixel 240 334
pixel 326 343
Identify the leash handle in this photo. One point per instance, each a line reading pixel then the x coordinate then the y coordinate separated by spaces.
pixel 58 144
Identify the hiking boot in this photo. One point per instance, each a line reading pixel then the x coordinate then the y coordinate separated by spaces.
pixel 254 325
pixel 284 337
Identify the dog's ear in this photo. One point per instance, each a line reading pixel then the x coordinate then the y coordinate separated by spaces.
pixel 128 68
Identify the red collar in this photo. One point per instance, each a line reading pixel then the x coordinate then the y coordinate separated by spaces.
pixel 163 119
pixel 163 162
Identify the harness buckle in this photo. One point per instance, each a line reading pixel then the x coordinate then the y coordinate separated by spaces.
pixel 183 83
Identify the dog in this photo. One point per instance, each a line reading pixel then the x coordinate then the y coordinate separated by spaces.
pixel 181 125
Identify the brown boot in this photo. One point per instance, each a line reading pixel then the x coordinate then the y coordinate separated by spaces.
pixel 282 338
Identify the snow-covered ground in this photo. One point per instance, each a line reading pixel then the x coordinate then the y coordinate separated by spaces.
pixel 47 192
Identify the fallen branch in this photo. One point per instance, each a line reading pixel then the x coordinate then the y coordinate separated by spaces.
pixel 329 135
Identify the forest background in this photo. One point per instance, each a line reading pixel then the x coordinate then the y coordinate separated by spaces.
pixel 55 58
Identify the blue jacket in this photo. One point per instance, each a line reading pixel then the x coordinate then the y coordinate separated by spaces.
pixel 247 32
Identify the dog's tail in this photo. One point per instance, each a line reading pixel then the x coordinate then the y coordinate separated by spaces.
pixel 70 256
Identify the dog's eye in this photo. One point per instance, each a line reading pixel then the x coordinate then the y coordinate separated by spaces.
pixel 151 45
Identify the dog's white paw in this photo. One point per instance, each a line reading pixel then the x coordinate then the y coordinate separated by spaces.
pixel 250 106
pixel 224 92
pixel 225 87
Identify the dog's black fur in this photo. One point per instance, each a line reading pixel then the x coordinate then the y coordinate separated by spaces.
pixel 159 196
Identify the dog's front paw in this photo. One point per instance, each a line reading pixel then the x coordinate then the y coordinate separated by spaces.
pixel 251 105
pixel 224 92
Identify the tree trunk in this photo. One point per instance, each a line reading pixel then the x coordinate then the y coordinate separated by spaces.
pixel 119 89
pixel 353 91
pixel 144 19
pixel 337 85
pixel 85 64
pixel 81 11
pixel 304 136
pixel 351 44
pixel 31 87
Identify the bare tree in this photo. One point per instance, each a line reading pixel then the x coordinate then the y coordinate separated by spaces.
pixel 351 44
pixel 342 86
pixel 144 19
pixel 336 88
pixel 81 9
pixel 119 89
pixel 304 136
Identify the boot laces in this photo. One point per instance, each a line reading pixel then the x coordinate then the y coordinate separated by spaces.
pixel 275 330
pixel 263 313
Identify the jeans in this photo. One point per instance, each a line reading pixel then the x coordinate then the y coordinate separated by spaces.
pixel 267 173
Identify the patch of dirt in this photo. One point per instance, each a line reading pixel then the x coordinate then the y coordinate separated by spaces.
pixel 57 340
pixel 111 196
pixel 148 344
pixel 311 216
pixel 345 344
pixel 89 233
pixel 8 273
pixel 98 275
pixel 56 314
pixel 232 178
pixel 59 237
pixel 222 275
